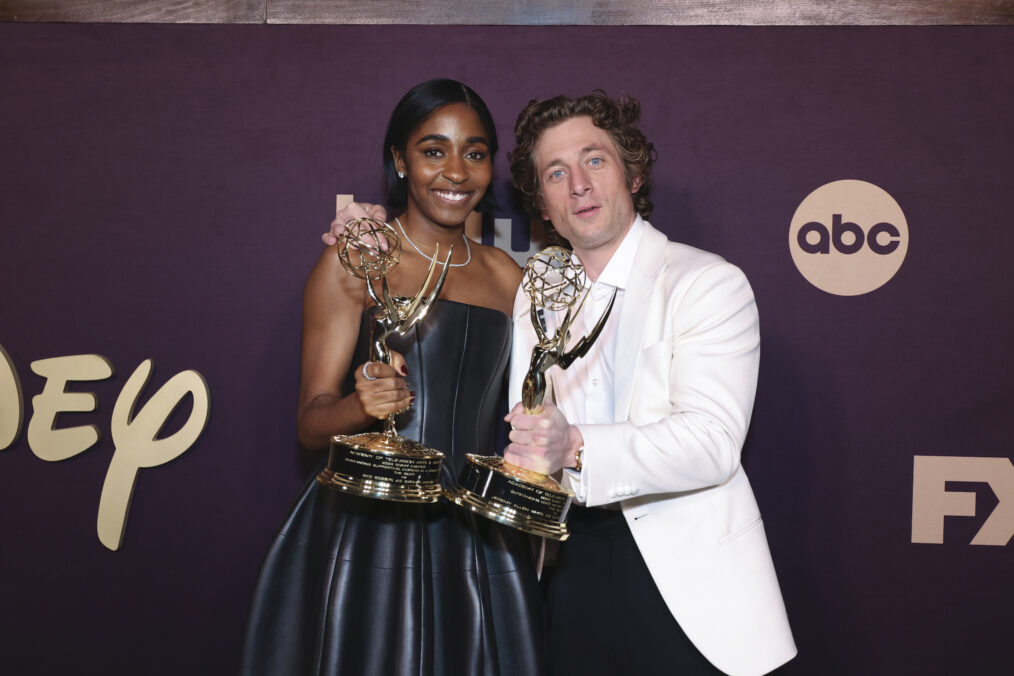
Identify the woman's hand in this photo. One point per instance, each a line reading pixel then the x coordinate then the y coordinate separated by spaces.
pixel 351 212
pixel 382 388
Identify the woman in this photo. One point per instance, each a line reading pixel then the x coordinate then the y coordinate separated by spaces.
pixel 354 585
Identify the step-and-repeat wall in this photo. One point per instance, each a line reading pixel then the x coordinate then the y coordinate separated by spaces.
pixel 162 193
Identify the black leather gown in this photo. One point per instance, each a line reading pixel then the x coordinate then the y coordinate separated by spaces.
pixel 360 586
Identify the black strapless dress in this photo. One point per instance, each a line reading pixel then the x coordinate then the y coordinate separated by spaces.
pixel 359 586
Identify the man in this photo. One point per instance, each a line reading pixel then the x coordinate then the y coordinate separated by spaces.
pixel 667 569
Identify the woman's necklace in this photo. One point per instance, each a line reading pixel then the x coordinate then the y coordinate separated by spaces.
pixel 430 258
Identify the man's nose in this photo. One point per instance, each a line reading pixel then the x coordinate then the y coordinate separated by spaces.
pixel 579 184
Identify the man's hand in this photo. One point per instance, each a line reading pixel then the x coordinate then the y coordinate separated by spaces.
pixel 353 211
pixel 542 443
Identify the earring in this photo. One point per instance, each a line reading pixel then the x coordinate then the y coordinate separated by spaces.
pixel 401 174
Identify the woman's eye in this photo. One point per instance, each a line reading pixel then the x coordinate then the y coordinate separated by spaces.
pixel 432 152
pixel 476 155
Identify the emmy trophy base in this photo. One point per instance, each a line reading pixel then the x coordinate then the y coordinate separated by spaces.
pixel 376 465
pixel 525 500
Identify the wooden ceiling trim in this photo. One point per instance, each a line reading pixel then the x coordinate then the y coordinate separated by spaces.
pixel 520 12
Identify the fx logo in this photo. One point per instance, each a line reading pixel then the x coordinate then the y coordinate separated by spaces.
pixel 931 501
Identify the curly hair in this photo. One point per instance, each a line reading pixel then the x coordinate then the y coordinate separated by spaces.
pixel 619 118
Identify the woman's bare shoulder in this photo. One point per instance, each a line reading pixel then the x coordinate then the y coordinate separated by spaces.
pixel 329 284
pixel 501 264
pixel 501 277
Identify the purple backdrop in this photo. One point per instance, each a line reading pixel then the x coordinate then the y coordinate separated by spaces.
pixel 162 189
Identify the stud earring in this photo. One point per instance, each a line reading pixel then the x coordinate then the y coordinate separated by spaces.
pixel 401 174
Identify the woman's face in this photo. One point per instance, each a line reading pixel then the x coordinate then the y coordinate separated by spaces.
pixel 447 163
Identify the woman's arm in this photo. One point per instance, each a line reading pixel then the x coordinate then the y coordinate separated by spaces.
pixel 333 303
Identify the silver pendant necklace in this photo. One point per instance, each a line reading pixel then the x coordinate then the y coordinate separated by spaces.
pixel 468 249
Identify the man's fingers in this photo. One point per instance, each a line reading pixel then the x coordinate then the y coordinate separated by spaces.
pixel 523 421
pixel 527 438
pixel 518 409
pixel 376 212
pixel 363 232
pixel 352 212
pixel 517 456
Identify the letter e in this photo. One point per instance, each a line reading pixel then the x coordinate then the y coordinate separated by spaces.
pixel 45 440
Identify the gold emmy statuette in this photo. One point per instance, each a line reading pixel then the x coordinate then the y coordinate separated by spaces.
pixel 384 465
pixel 489 485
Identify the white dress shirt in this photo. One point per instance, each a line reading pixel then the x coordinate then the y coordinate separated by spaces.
pixel 585 392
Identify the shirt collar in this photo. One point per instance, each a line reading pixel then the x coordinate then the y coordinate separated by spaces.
pixel 617 270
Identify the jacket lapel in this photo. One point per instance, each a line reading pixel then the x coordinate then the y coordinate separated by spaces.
pixel 648 263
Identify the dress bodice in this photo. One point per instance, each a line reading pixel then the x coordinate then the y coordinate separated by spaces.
pixel 456 359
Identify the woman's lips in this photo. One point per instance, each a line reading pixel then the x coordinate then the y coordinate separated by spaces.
pixel 453 196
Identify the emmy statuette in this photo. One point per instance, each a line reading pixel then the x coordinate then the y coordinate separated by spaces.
pixel 384 465
pixel 489 485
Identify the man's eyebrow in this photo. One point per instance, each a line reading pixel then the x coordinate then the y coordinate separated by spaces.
pixel 584 151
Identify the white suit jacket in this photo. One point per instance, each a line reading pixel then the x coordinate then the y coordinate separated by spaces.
pixel 687 354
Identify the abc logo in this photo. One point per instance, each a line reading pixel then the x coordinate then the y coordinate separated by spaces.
pixel 848 237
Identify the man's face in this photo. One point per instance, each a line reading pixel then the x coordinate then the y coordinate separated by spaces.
pixel 584 188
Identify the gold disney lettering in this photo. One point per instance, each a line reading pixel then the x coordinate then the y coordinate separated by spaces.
pixel 134 433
